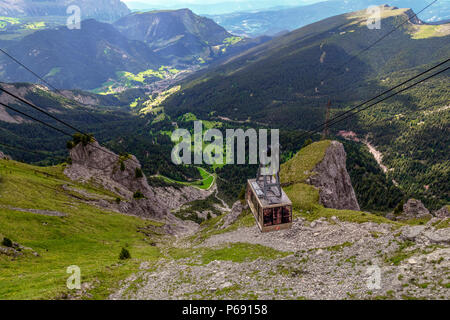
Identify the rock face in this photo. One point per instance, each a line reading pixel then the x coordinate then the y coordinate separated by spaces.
pixel 93 163
pixel 333 180
pixel 415 209
pixel 442 213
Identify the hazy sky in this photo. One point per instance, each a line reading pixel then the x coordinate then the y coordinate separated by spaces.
pixel 186 3
pixel 181 2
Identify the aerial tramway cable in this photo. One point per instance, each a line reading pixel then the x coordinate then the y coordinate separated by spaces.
pixel 336 118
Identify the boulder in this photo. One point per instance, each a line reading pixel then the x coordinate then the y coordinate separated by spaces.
pixel 94 163
pixel 415 209
pixel 391 216
pixel 439 236
pixel 426 234
pixel 10 252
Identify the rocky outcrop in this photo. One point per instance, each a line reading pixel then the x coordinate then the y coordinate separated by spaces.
pixel 332 179
pixel 413 17
pixel 81 97
pixel 4 156
pixel 442 213
pixel 230 218
pixel 93 163
pixel 414 209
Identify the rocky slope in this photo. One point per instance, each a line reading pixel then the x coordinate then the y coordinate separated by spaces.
pixel 323 165
pixel 123 176
pixel 324 260
pixel 327 254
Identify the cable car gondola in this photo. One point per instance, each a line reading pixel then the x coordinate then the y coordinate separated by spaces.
pixel 269 204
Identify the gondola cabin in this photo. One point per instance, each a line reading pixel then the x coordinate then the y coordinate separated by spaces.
pixel 272 212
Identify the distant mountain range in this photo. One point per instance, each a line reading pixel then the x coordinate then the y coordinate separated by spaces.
pixel 138 49
pixel 270 22
pixel 215 7
pixel 102 10
pixel 290 67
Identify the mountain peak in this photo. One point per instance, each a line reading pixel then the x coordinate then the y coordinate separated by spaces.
pixel 180 34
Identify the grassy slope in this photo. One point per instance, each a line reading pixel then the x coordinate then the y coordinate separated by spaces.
pixel 88 237
pixel 205 183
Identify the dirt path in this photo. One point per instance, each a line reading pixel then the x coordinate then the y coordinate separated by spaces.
pixel 377 155
pixel 224 204
pixel 35 211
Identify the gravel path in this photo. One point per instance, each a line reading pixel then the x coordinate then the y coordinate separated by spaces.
pixel 35 211
pixel 301 236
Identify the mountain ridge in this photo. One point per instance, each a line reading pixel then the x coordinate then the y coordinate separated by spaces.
pixel 103 10
pixel 85 58
pixel 140 50
pixel 273 21
pixel 178 33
